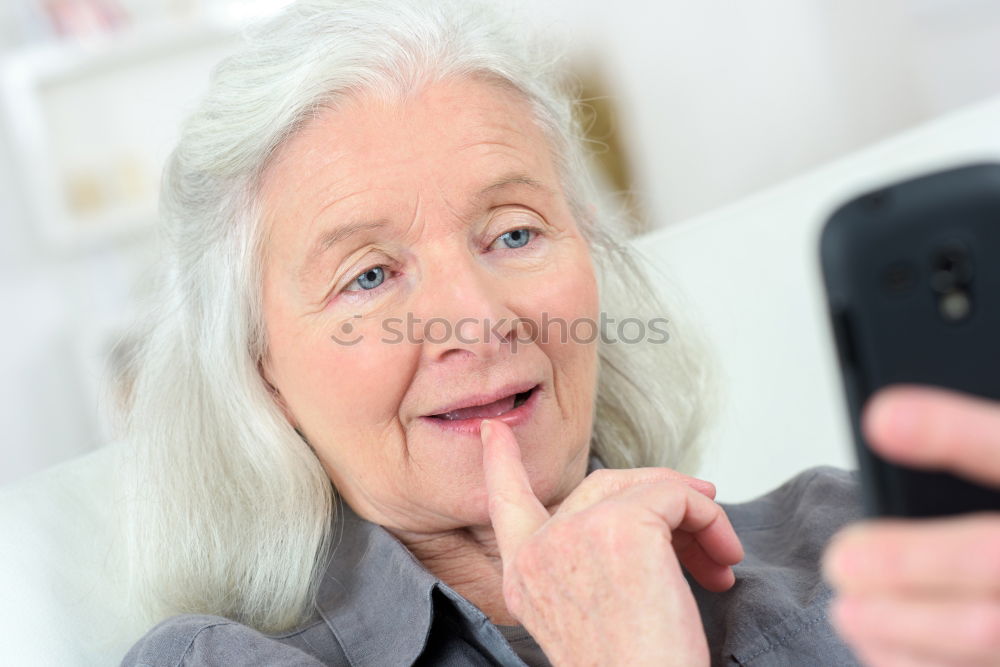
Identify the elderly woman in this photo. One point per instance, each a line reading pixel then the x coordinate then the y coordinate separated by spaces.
pixel 377 421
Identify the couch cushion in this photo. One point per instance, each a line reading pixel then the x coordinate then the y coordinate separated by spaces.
pixel 63 595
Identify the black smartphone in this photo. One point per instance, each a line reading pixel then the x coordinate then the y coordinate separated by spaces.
pixel 912 277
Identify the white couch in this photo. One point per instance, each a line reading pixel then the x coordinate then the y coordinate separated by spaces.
pixel 748 272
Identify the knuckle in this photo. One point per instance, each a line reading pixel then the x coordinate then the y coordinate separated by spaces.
pixel 622 479
pixel 659 494
pixel 603 474
pixel 679 488
pixel 602 478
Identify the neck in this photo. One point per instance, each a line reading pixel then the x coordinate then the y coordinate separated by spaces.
pixel 468 561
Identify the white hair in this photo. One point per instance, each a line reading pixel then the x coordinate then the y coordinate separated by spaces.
pixel 230 511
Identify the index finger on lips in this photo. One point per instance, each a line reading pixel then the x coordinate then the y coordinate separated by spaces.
pixel 928 427
pixel 954 556
pixel 515 512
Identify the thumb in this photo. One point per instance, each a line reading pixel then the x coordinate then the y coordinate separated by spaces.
pixel 515 512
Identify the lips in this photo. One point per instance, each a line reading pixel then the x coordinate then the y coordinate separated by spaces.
pixel 488 411
pixel 487 406
pixel 521 407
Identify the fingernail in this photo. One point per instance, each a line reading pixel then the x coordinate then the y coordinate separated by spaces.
pixel 486 429
pixel 707 486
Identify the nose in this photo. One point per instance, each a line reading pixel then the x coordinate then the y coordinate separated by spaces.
pixel 463 312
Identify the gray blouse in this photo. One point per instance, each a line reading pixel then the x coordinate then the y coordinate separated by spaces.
pixel 377 605
pixel 524 645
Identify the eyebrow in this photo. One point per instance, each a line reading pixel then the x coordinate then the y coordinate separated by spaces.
pixel 332 237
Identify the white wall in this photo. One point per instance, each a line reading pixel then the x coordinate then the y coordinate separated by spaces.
pixel 54 306
pixel 723 98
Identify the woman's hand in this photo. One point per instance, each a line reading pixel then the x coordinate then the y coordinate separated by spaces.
pixel 599 582
pixel 924 592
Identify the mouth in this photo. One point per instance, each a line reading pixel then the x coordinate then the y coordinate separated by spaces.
pixel 513 409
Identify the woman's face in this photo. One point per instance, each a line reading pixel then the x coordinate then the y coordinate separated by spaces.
pixel 403 240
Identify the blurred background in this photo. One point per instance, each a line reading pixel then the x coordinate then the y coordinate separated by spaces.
pixel 697 104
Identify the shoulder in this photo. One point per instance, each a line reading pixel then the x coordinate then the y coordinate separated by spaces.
pixel 785 531
pixel 200 639
pixel 776 612
pixel 814 500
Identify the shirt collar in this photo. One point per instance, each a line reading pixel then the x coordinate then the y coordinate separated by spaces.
pixel 376 597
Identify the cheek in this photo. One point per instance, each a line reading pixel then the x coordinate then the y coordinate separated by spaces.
pixel 564 299
pixel 366 384
pixel 565 305
pixel 340 384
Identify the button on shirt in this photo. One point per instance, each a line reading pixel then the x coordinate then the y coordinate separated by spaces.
pixel 377 605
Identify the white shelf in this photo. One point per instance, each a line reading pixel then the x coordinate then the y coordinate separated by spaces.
pixel 91 123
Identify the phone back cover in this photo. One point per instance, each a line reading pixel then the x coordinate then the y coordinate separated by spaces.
pixel 877 255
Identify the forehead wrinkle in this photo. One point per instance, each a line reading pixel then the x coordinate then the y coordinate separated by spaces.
pixel 532 132
pixel 486 143
pixel 518 159
pixel 330 202
pixel 497 130
pixel 307 167
pixel 458 217
pixel 325 241
pixel 283 181
pixel 414 222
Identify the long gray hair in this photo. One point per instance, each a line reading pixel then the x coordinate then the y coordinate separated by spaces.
pixel 230 511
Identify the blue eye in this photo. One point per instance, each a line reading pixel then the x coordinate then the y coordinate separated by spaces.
pixel 368 280
pixel 516 238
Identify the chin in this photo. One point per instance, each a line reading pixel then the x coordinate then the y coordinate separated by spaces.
pixel 470 504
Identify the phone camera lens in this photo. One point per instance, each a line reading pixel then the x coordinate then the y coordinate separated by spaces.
pixel 951 268
pixel 951 276
pixel 955 306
